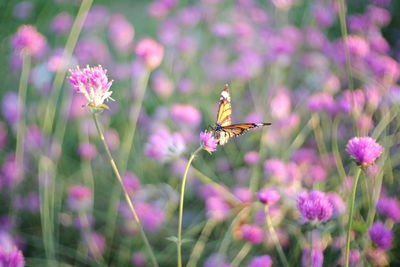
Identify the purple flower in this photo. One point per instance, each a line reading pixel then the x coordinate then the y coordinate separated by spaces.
pixel 61 23
pixel 208 142
pixel 321 102
pixel 150 52
pixel 92 50
pixel 261 261
pixel 164 146
pixel 357 46
pixel 96 243
pixel 381 236
pixel 23 10
pixel 364 150
pixel 252 233
pixel 87 151
pixel 390 207
pixel 217 208
pixel 28 39
pixel 268 196
pixel 93 83
pixel 138 259
pixel 131 183
pixel 317 258
pixel 244 194
pixel 314 206
pixel 186 114
pixel 216 260
pixel 10 172
pixel 11 258
pixel 11 107
pixel 251 157
pixel 151 217
pixel 162 85
pixel 79 198
pixel 121 33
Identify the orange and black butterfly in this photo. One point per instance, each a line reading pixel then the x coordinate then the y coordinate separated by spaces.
pixel 224 129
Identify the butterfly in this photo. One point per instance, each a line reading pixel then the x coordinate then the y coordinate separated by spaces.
pixel 224 129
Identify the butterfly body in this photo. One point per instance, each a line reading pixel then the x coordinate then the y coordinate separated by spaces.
pixel 224 129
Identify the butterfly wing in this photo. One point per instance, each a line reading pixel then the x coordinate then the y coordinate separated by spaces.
pixel 234 130
pixel 224 108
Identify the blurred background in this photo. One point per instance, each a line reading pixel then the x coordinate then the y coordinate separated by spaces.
pixel 285 63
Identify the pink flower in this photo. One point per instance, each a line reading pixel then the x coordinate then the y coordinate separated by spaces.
pixel 11 258
pixel 61 23
pixel 314 206
pixel 87 151
pixel 364 150
pixel 150 52
pixel 208 142
pixel 79 198
pixel 121 33
pixel 251 157
pixel 252 233
pixel 28 39
pixel 186 114
pixel 268 196
pixel 93 83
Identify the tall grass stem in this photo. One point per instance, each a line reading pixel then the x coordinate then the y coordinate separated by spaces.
pixel 182 197
pixel 351 210
pixel 127 198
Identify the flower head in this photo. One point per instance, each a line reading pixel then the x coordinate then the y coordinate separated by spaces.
pixel 268 196
pixel 364 150
pixel 314 206
pixel 164 146
pixel 150 52
pixel 79 198
pixel 261 261
pixel 93 83
pixel 208 142
pixel 11 257
pixel 27 39
pixel 252 233
pixel 389 207
pixel 381 236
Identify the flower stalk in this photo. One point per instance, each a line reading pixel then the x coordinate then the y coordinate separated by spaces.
pixel 182 197
pixel 22 91
pixel 351 209
pixel 125 192
pixel 275 238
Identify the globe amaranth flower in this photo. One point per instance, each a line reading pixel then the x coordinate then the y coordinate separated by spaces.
pixel 79 198
pixel 317 257
pixel 252 233
pixel 268 196
pixel 208 142
pixel 28 40
pixel 93 83
pixel 314 206
pixel 150 52
pixel 381 236
pixel 364 150
pixel 11 257
pixel 261 261
pixel 164 146
pixel 390 207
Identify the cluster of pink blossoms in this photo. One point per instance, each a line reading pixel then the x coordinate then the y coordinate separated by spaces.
pixel 93 83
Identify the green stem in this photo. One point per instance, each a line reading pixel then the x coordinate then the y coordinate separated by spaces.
pixel 241 254
pixel 200 244
pixel 275 238
pixel 349 71
pixel 22 90
pixel 50 112
pixel 182 196
pixel 127 141
pixel 351 209
pixel 127 198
